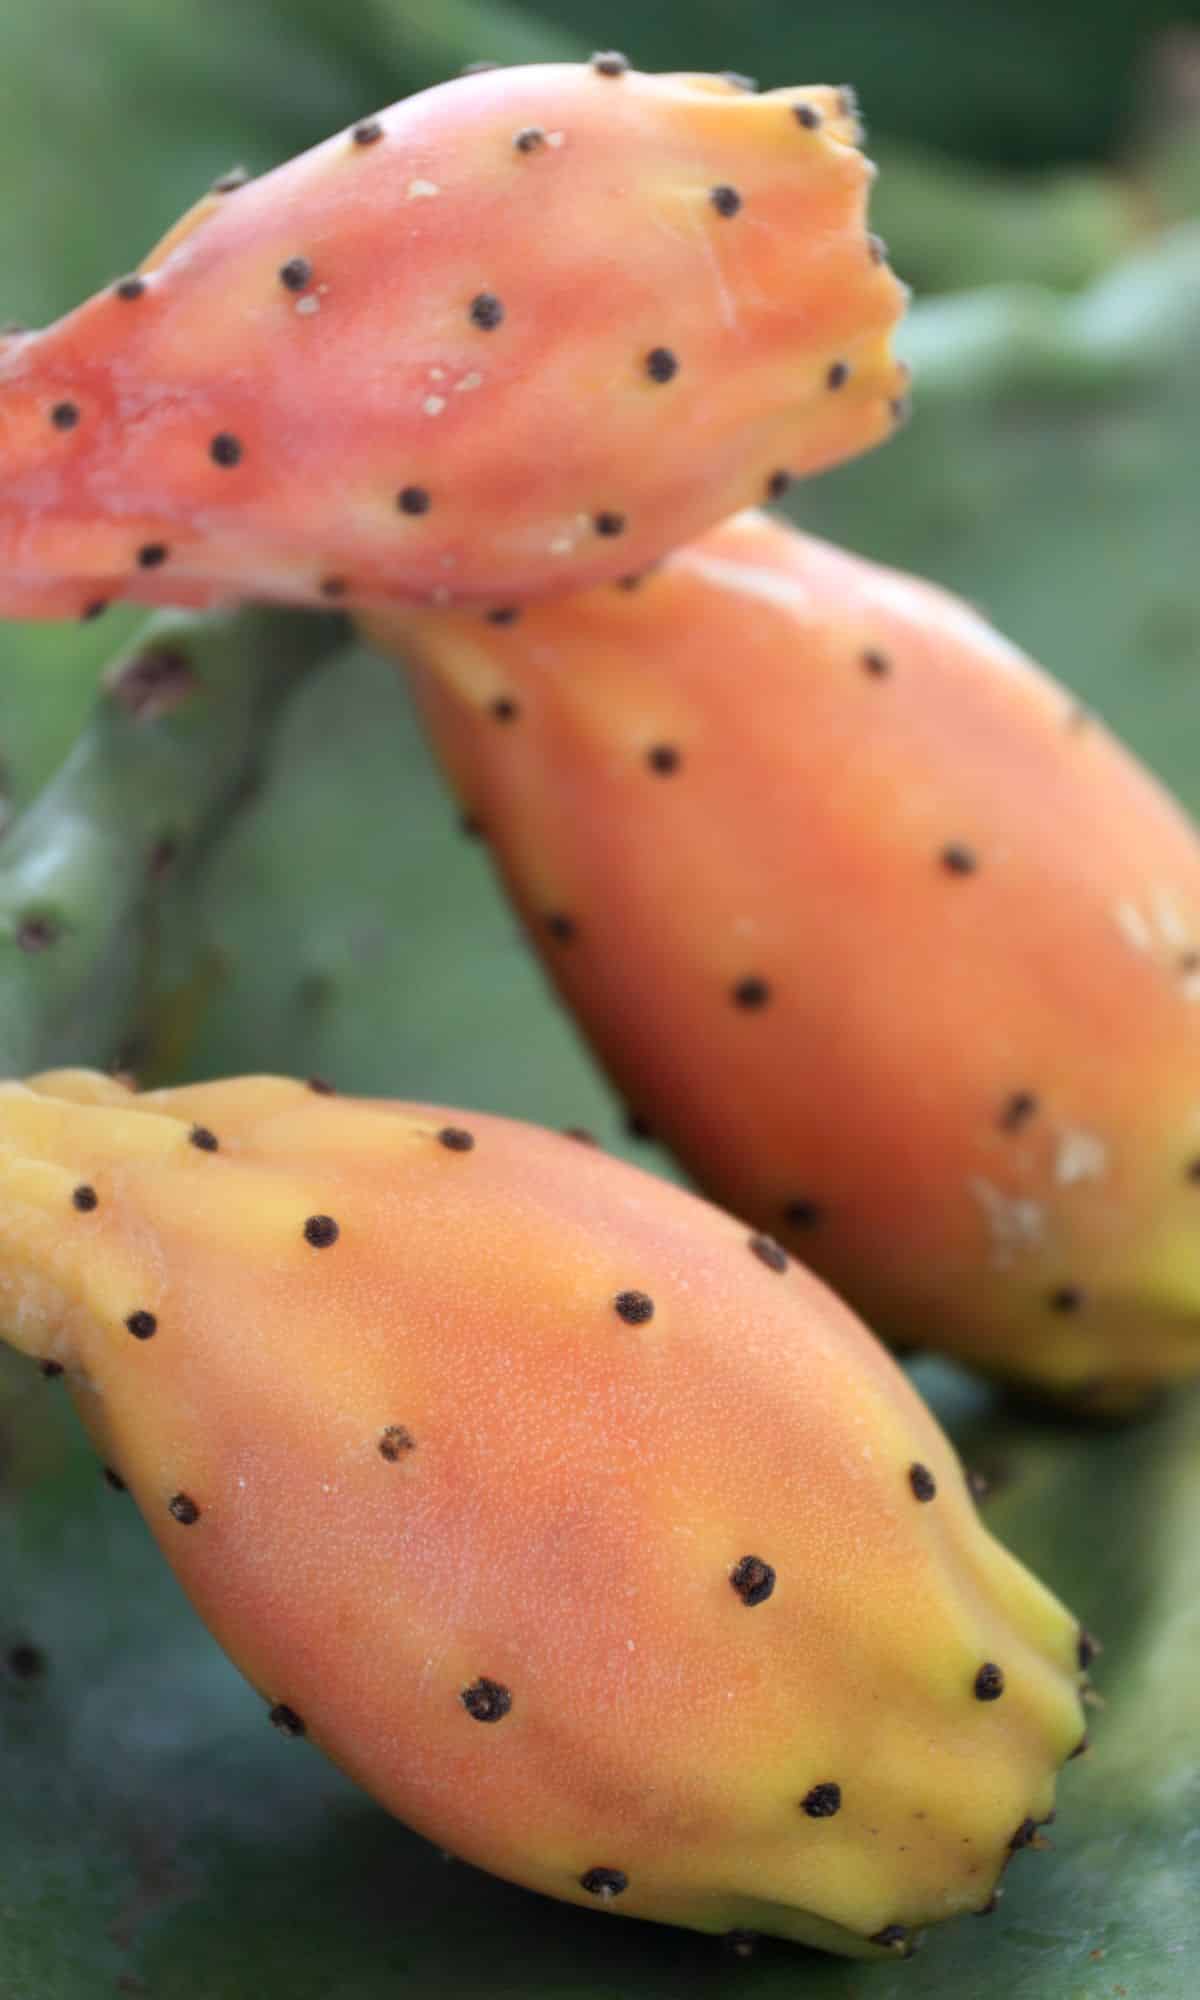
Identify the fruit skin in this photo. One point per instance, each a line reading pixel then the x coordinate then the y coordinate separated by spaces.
pixel 521 333
pixel 890 945
pixel 584 1534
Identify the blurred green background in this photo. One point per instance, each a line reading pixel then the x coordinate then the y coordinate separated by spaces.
pixel 1040 187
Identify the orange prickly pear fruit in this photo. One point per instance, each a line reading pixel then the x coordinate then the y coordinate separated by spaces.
pixel 590 1534
pixel 521 333
pixel 895 949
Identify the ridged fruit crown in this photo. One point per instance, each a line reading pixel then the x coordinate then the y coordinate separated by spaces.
pixel 518 334
pixel 897 949
pixel 593 1536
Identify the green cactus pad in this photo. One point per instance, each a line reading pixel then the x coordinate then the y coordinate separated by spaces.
pixel 174 743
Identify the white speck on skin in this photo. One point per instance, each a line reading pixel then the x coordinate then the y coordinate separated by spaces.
pixel 441 594
pixel 1133 926
pixel 434 405
pixel 1170 923
pixel 748 581
pixel 422 190
pixel 1081 1156
pixel 556 139
pixel 1014 1222
pixel 437 374
pixel 308 304
pixel 472 381
pixel 562 545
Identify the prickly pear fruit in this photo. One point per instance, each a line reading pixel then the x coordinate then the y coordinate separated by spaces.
pixel 589 1533
pixel 895 948
pixel 522 333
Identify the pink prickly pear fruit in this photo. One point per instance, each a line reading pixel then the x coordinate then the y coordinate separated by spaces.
pixel 895 949
pixel 519 334
pixel 592 1535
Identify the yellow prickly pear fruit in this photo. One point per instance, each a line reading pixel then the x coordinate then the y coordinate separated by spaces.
pixel 589 1533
